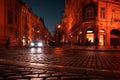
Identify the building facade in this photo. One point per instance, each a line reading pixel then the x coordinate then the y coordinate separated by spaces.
pixel 90 20
pixel 19 23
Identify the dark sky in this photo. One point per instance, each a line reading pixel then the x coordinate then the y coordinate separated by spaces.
pixel 50 10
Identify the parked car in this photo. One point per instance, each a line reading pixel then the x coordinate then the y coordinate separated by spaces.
pixel 53 44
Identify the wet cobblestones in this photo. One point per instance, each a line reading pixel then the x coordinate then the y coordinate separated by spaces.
pixel 75 58
pixel 17 72
pixel 71 65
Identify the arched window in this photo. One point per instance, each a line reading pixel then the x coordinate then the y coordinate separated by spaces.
pixel 115 32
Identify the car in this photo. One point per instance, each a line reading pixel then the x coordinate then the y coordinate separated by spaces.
pixel 36 44
pixel 53 44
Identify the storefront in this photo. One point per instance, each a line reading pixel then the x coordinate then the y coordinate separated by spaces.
pixel 115 37
pixel 90 35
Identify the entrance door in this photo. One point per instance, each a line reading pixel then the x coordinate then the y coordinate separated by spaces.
pixel 102 38
pixel 115 37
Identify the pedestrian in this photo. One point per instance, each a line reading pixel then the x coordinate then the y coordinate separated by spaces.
pixel 96 42
pixel 87 42
pixel 8 42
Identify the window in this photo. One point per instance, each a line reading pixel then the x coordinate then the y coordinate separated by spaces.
pixel 115 15
pixel 10 15
pixel 9 3
pixel 90 12
pixel 15 18
pixel 102 13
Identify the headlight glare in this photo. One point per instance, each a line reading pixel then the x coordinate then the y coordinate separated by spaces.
pixel 32 44
pixel 40 44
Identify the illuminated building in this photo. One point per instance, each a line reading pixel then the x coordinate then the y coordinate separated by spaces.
pixel 90 19
pixel 18 22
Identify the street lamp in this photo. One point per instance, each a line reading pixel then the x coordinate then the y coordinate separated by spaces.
pixel 38 31
pixel 58 33
pixel 59 26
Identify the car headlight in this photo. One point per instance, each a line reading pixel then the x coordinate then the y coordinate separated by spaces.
pixel 40 44
pixel 32 44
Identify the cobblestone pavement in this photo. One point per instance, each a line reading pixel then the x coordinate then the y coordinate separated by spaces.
pixel 10 70
pixel 58 64
pixel 67 57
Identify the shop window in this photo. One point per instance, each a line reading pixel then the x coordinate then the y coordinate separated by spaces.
pixel 90 34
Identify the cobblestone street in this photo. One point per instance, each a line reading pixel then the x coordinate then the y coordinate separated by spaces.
pixel 27 71
pixel 58 64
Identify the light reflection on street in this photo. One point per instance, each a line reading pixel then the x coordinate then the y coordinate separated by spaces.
pixel 58 51
pixel 39 50
pixel 32 50
pixel 36 50
pixel 36 54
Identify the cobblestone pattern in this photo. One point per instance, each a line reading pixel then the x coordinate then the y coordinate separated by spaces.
pixel 97 60
pixel 74 57
pixel 9 72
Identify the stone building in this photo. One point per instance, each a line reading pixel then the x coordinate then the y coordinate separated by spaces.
pixel 90 19
pixel 18 22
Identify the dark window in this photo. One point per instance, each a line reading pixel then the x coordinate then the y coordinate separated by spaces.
pixel 11 29
pixel 10 17
pixel 90 13
pixel 15 18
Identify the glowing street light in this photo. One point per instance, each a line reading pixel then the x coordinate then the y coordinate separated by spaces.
pixel 59 26
pixel 38 31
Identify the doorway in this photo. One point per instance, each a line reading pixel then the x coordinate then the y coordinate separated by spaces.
pixel 115 37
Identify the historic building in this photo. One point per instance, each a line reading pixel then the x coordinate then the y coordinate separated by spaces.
pixel 18 22
pixel 91 19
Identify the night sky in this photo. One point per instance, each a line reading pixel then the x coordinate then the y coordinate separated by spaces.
pixel 50 10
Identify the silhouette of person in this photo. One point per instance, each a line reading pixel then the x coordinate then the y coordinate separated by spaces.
pixel 96 41
pixel 8 42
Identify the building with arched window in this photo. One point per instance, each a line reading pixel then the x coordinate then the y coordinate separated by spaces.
pixel 19 24
pixel 91 19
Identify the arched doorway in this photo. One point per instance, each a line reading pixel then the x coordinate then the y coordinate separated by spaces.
pixel 115 37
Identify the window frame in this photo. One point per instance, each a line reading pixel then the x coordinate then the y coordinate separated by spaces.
pixel 102 13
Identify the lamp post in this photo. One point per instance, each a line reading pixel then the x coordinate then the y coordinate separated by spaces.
pixel 58 33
